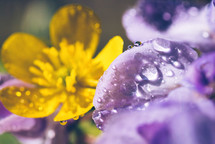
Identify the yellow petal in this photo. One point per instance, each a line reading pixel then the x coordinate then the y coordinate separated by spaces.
pixel 113 48
pixel 75 23
pixel 18 53
pixel 76 105
pixel 28 102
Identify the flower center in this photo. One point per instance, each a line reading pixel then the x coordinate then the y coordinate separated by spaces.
pixel 65 70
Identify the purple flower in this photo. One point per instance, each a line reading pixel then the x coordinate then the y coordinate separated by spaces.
pixel 172 20
pixel 182 118
pixel 201 74
pixel 139 75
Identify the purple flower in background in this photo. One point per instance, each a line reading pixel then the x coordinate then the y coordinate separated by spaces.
pixel 139 75
pixel 175 20
pixel 201 74
pixel 182 118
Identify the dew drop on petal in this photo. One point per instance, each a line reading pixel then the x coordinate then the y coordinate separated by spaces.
pixel 169 73
pixel 137 43
pixel 63 122
pixel 99 100
pixel 161 45
pixel 130 46
pixel 76 118
pixel 18 94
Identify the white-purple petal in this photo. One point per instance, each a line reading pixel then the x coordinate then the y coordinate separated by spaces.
pixel 173 121
pixel 144 73
pixel 190 25
pixel 201 74
pixel 14 123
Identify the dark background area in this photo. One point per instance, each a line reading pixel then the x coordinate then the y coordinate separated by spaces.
pixel 33 17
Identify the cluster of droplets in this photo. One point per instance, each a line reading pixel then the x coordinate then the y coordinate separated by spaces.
pixel 22 95
pixel 144 73
pixel 136 44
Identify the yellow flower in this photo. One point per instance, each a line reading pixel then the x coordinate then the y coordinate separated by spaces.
pixel 65 74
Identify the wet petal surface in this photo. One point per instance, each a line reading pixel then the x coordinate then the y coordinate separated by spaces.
pixel 146 72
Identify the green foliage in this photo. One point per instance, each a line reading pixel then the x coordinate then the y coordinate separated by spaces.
pixel 8 138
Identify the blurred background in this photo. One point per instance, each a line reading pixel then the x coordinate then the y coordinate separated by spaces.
pixel 33 16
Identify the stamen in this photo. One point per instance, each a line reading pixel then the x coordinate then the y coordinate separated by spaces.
pixel 35 71
pixel 53 55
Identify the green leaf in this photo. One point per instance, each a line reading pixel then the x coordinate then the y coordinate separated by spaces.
pixel 8 138
pixel 89 128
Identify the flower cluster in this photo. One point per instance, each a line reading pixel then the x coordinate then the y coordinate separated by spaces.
pixel 161 90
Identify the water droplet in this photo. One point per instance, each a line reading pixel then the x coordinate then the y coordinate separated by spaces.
pixel 130 46
pixel 178 65
pixel 105 90
pixel 170 73
pixel 27 93
pixel 76 118
pixel 156 63
pixel 150 73
pixel 115 84
pixel 99 100
pixel 113 111
pixel 100 127
pixel 137 43
pixel 63 122
pixel 114 67
pixel 101 120
pixel 164 58
pixel 18 94
pixel 40 108
pixel 161 45
pixel 146 104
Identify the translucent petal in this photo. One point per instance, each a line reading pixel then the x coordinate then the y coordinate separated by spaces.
pixel 113 48
pixel 28 102
pixel 18 53
pixel 76 105
pixel 75 23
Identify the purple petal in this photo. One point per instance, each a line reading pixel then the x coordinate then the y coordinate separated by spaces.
pixel 174 121
pixel 15 123
pixel 139 75
pixel 212 15
pixel 190 26
pixel 3 112
pixel 201 74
